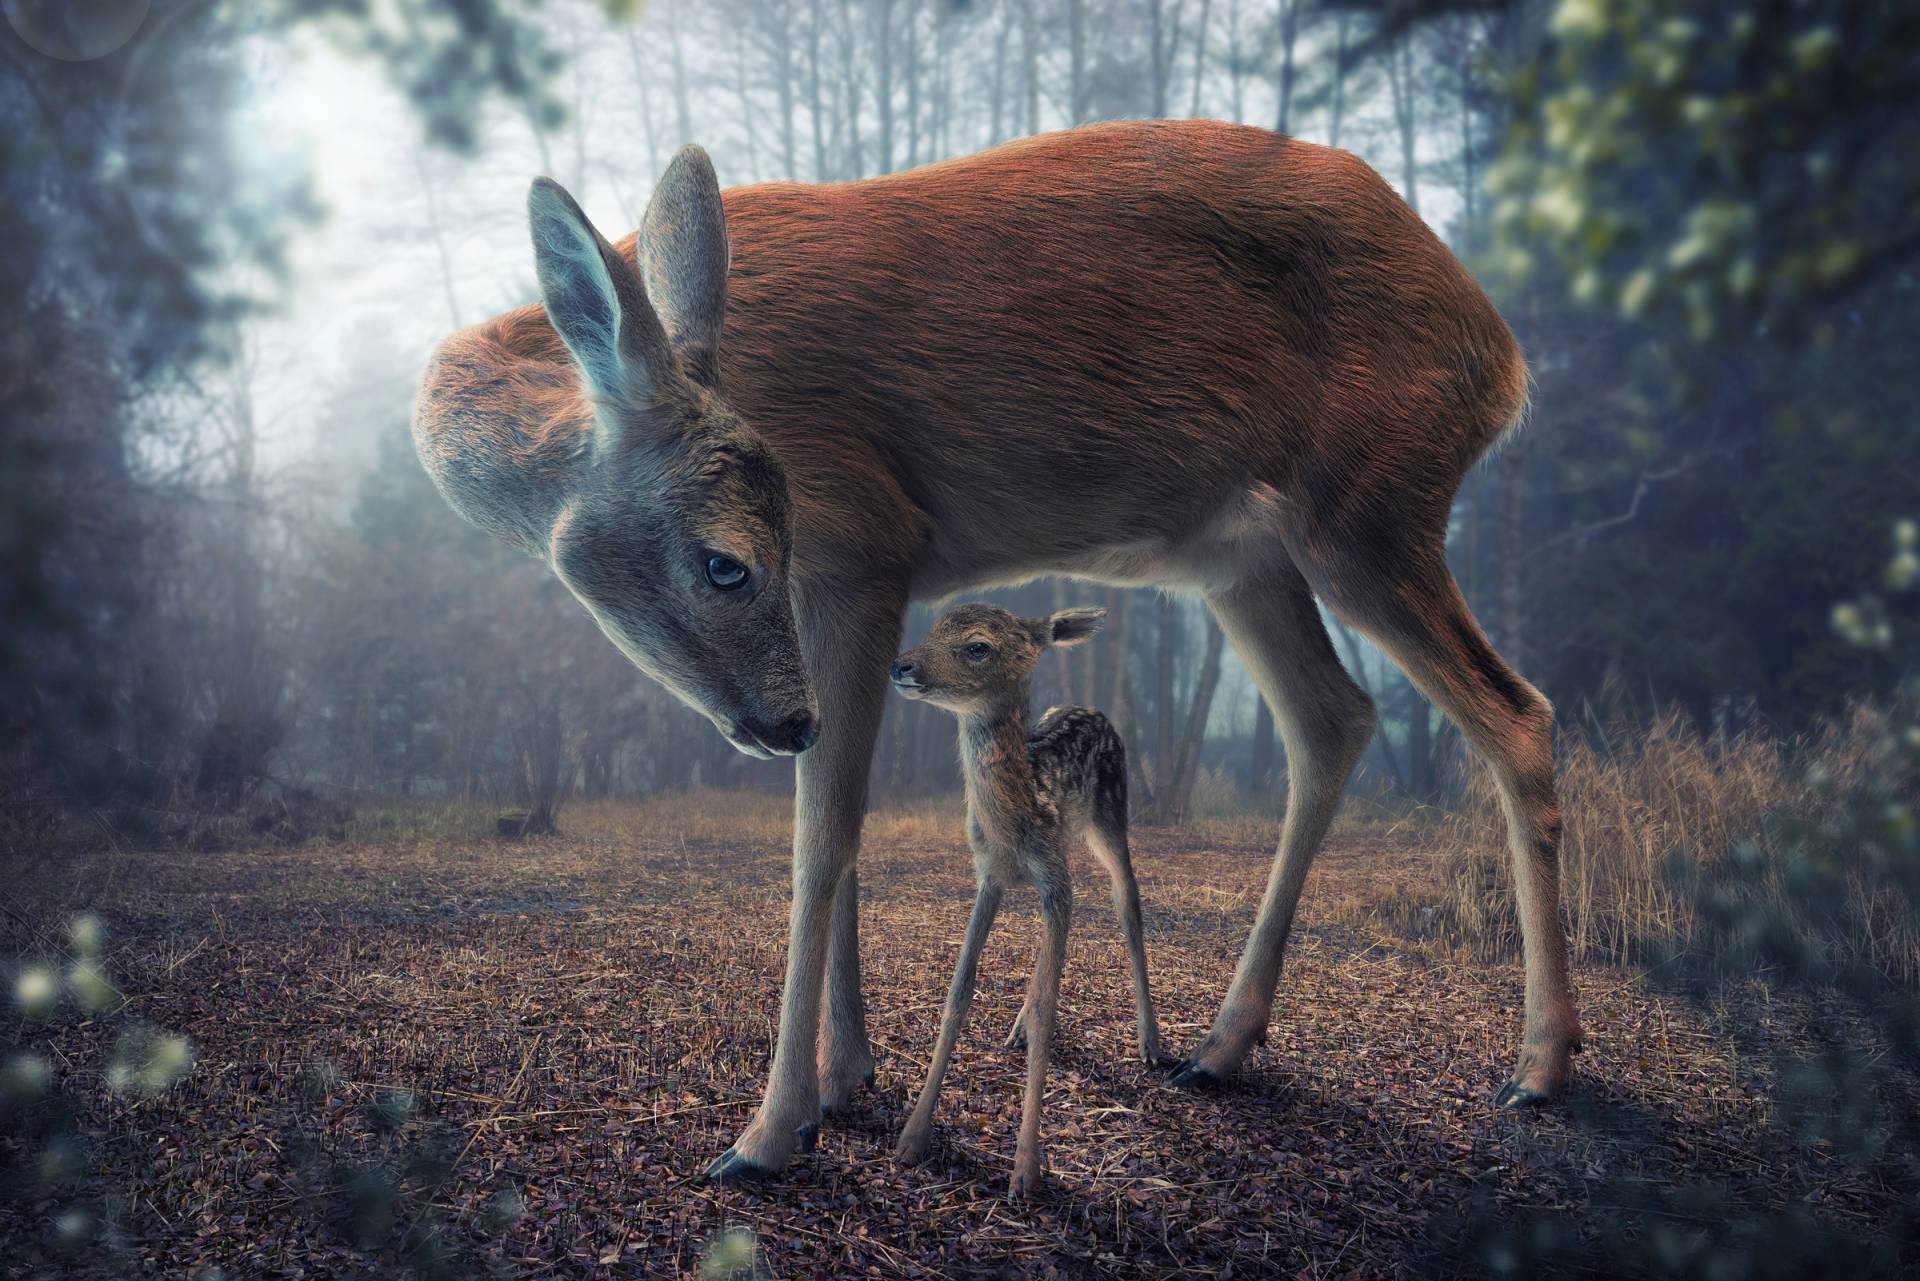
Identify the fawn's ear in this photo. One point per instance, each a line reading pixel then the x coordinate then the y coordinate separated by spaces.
pixel 599 308
pixel 1071 626
pixel 683 254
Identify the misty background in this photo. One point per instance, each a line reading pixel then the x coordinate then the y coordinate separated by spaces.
pixel 232 233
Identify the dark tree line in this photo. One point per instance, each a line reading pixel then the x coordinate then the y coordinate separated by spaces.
pixel 1698 219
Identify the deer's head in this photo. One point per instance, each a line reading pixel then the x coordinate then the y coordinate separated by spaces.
pixel 979 657
pixel 666 515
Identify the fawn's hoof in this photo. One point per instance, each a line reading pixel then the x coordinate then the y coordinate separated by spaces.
pixel 1188 1075
pixel 1026 1183
pixel 730 1168
pixel 911 1149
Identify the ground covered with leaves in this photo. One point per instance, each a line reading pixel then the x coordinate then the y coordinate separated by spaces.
pixel 470 1057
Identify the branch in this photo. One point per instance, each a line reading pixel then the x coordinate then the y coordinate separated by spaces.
pixel 1648 479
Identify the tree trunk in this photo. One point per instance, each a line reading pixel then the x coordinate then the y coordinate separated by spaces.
pixel 783 70
pixel 1186 769
pixel 1200 55
pixel 1169 641
pixel 1077 47
pixel 644 82
pixel 813 93
pixel 1164 30
pixel 1339 110
pixel 1405 114
pixel 1236 63
pixel 747 114
pixel 1030 56
pixel 1288 19
pixel 1126 717
pixel 1262 764
pixel 910 46
pixel 883 78
pixel 996 129
pixel 1419 747
pixel 855 163
pixel 1513 532
pixel 683 105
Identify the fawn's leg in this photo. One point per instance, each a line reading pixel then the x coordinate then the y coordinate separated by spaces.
pixel 1056 906
pixel 849 640
pixel 913 1136
pixel 1108 842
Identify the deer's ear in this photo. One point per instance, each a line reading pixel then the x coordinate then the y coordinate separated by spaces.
pixel 1071 626
pixel 683 259
pixel 597 306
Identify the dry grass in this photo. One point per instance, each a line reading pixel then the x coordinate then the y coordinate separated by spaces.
pixel 1633 801
pixel 592 1014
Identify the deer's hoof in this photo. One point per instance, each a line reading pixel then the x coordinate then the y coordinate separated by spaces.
pixel 1026 1183
pixel 840 1082
pixel 730 1168
pixel 1514 1095
pixel 911 1149
pixel 829 1104
pixel 1188 1075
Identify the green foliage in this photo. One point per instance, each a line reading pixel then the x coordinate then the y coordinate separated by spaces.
pixel 731 1255
pixel 47 1159
pixel 1718 161
pixel 384 1200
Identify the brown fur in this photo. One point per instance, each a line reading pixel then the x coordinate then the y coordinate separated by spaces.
pixel 1177 353
pixel 1187 308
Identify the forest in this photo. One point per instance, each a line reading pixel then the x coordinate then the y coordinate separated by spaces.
pixel 252 666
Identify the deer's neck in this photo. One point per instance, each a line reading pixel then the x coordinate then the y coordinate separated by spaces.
pixel 999 773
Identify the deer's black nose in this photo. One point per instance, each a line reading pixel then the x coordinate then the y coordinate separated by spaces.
pixel 797 733
pixel 904 669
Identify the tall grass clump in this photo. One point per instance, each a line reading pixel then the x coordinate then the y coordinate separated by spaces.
pixel 1638 800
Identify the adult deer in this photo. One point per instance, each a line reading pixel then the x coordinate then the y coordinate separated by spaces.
pixel 1182 354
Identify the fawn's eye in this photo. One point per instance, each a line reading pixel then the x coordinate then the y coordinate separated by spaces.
pixel 978 652
pixel 725 573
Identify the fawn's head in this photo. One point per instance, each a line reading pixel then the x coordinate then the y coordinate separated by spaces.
pixel 979 657
pixel 669 517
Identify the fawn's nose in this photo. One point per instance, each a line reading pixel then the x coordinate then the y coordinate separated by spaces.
pixel 904 669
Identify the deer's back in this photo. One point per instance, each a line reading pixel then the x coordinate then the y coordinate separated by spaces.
pixel 1116 337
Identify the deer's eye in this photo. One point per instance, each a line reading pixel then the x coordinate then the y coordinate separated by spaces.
pixel 978 652
pixel 725 573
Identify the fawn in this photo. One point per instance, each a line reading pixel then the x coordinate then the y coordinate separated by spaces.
pixel 1029 794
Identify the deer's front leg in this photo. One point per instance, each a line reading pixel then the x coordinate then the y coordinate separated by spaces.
pixel 845 1060
pixel 849 642
pixel 1029 1160
pixel 913 1136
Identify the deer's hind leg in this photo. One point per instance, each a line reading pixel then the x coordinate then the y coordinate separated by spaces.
pixel 913 1136
pixel 1406 601
pixel 1107 838
pixel 1324 721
